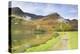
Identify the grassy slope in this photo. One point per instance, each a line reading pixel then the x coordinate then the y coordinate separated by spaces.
pixel 44 47
pixel 73 40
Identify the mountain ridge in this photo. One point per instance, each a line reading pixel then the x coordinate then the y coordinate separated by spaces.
pixel 19 12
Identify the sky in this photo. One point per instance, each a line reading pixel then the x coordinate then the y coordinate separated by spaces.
pixel 67 11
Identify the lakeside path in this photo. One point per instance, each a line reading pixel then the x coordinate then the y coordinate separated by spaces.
pixel 63 43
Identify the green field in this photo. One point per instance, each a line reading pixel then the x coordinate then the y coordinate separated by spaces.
pixel 55 43
pixel 72 43
pixel 44 47
pixel 73 40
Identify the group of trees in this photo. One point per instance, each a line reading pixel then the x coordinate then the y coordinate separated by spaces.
pixel 69 26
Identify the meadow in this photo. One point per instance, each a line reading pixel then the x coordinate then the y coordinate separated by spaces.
pixel 50 45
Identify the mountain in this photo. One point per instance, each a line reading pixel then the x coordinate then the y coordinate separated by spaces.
pixel 74 24
pixel 50 20
pixel 17 11
pixel 53 16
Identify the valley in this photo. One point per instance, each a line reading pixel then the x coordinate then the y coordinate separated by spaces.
pixel 42 33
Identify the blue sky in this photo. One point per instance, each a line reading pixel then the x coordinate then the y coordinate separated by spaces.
pixel 65 10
